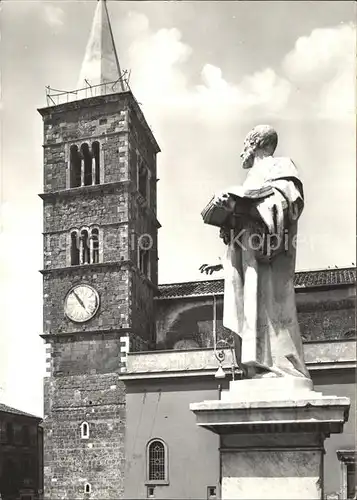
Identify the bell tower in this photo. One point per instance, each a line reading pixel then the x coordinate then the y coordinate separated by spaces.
pixel 100 268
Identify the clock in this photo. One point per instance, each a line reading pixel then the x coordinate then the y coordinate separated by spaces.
pixel 81 303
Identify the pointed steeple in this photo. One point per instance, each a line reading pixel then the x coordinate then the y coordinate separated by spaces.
pixel 101 64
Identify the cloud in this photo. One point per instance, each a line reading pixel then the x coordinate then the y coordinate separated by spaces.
pixel 54 15
pixel 315 79
pixel 325 63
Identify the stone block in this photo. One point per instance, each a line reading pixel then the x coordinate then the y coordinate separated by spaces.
pixel 271 446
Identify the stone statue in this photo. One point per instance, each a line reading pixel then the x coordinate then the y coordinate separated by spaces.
pixel 259 264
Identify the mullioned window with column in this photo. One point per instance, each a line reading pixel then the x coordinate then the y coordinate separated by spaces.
pixel 84 164
pixel 84 246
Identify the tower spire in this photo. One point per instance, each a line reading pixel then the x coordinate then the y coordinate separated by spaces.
pixel 101 64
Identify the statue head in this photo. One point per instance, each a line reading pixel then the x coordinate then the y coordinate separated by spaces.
pixel 261 141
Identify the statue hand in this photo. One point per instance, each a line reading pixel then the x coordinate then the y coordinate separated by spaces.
pixel 225 235
pixel 206 268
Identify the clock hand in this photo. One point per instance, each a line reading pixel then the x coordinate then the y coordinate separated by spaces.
pixel 80 301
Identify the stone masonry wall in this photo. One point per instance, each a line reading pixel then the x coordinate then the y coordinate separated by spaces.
pixel 107 122
pixel 109 211
pixel 86 208
pixel 86 353
pixel 71 461
pixel 322 315
pixel 85 359
pixel 140 146
pixel 142 313
pixel 112 286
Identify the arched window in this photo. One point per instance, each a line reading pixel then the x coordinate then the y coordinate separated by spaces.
pixel 95 246
pixel 157 461
pixel 84 255
pixel 75 167
pixel 96 160
pixel 84 430
pixel 74 248
pixel 87 167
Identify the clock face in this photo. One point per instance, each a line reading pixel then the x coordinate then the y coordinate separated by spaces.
pixel 81 303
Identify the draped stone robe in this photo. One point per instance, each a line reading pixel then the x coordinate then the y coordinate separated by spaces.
pixel 259 297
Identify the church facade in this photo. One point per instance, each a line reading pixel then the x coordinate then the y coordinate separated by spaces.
pixel 126 355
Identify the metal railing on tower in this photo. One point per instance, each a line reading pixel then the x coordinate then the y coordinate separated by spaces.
pixel 55 97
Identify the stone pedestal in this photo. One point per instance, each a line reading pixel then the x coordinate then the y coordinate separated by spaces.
pixel 272 437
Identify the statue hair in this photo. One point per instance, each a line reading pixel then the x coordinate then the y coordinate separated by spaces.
pixel 263 137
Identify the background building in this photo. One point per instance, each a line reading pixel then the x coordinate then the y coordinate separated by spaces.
pixel 21 455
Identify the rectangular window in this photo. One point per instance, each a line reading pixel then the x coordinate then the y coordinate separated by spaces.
pixel 151 492
pixel 211 492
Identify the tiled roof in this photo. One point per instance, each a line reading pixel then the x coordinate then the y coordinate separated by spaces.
pixel 303 279
pixel 14 411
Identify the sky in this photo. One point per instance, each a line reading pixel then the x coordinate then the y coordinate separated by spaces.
pixel 204 73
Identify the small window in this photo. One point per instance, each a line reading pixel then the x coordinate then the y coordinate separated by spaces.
pixel 211 492
pixel 151 492
pixel 87 488
pixel 157 462
pixel 85 430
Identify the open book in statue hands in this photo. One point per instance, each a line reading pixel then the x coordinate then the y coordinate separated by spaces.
pixel 224 208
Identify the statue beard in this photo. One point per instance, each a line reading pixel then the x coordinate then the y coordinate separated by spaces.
pixel 248 158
